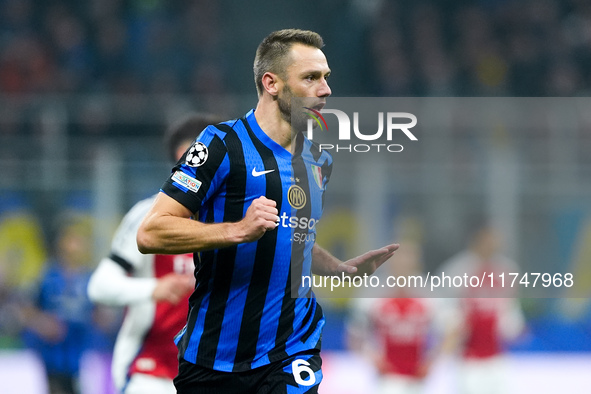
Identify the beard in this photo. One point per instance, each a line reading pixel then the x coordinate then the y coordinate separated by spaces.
pixel 298 120
pixel 284 103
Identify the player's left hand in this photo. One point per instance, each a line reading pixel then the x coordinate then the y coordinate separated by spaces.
pixel 368 262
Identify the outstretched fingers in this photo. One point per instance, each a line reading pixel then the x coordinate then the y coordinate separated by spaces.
pixel 369 261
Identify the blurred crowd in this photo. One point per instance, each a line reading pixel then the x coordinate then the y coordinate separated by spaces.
pixel 483 48
pixel 416 48
pixel 110 46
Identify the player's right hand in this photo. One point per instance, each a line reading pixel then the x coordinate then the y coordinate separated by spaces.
pixel 173 287
pixel 261 216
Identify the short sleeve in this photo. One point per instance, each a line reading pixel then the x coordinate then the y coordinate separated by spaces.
pixel 201 170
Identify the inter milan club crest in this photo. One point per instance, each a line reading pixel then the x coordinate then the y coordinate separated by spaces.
pixel 317 172
pixel 296 197
pixel 197 155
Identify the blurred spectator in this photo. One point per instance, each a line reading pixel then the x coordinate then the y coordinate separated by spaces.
pixel 60 323
pixel 71 49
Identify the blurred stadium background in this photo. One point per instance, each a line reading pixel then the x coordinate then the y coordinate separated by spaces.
pixel 87 88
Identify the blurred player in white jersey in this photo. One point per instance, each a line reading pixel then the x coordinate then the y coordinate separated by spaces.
pixel 154 288
pixel 488 318
pixel 401 333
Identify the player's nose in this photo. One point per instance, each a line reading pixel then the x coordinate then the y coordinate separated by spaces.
pixel 324 89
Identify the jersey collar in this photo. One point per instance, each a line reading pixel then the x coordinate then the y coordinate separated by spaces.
pixel 264 138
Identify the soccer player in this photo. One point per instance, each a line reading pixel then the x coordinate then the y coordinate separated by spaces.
pixel 60 323
pixel 154 288
pixel 488 316
pixel 401 333
pixel 252 188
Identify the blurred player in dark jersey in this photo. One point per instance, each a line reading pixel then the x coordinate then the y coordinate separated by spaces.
pixel 252 188
pixel 154 288
pixel 488 318
pixel 60 322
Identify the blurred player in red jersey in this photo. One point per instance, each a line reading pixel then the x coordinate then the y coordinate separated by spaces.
pixel 401 334
pixel 154 288
pixel 486 322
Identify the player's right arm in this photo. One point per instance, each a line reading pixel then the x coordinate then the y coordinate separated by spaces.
pixel 169 229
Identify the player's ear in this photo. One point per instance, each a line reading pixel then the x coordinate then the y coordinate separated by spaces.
pixel 271 83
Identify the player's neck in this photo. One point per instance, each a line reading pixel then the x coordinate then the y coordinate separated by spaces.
pixel 270 121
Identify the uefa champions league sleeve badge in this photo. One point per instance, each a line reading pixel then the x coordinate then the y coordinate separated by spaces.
pixel 197 155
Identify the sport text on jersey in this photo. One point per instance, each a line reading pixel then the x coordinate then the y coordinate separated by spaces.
pixel 299 223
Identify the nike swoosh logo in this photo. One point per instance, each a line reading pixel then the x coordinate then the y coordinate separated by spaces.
pixel 259 173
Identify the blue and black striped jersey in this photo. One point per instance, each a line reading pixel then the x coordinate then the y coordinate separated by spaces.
pixel 243 314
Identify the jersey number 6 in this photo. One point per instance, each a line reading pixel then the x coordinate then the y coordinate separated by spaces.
pixel 300 366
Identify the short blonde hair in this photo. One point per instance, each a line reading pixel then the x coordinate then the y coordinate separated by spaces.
pixel 273 50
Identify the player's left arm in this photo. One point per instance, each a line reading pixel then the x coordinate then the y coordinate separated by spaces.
pixel 324 263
